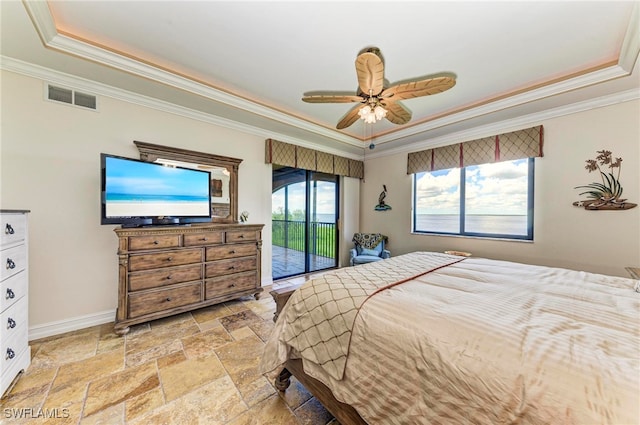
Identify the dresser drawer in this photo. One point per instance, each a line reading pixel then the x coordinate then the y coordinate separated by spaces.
pixel 240 236
pixel 12 261
pixel 229 284
pixel 205 238
pixel 11 367
pixel 153 301
pixel 230 251
pixel 224 267
pixel 164 259
pixel 164 276
pixel 14 320
pixel 11 348
pixel 13 289
pixel 137 243
pixel 13 228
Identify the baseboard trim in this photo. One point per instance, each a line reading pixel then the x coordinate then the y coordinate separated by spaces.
pixel 72 324
pixel 81 322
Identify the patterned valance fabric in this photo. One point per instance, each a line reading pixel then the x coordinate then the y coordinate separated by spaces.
pixel 368 240
pixel 519 144
pixel 341 166
pixel 289 155
pixel 324 163
pixel 280 153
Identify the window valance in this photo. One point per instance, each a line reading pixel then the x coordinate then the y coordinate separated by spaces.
pixel 519 144
pixel 289 155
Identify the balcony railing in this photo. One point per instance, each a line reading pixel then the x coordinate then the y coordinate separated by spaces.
pixel 291 234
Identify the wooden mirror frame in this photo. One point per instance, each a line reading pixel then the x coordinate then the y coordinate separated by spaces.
pixel 150 153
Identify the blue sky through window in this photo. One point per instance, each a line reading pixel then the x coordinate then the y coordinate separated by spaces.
pixel 491 189
pixel 326 203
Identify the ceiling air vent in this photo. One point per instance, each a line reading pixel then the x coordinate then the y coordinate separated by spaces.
pixel 71 97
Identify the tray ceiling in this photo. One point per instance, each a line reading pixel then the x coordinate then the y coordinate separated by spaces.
pixel 249 63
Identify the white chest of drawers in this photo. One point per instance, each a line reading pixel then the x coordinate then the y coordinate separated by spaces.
pixel 14 301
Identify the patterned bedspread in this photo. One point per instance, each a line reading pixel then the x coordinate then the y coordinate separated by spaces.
pixel 320 315
pixel 483 342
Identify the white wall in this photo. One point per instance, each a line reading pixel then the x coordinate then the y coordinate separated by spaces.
pixel 349 216
pixel 564 235
pixel 50 164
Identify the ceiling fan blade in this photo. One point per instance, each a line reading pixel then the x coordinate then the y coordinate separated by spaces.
pixel 370 71
pixel 349 118
pixel 331 98
pixel 419 88
pixel 397 113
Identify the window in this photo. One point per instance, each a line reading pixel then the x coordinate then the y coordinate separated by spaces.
pixel 489 200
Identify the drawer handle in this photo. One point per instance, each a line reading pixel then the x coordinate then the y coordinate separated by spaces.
pixel 168 299
pixel 10 264
pixel 203 239
pixel 169 277
pixel 8 230
pixel 231 267
pixel 11 323
pixel 233 285
pixel 10 354
pixel 156 242
pixel 169 258
pixel 10 294
pixel 233 251
pixel 241 236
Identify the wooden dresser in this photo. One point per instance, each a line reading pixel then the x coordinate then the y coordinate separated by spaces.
pixel 174 269
pixel 14 299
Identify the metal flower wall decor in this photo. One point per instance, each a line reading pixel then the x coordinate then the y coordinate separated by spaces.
pixel 606 194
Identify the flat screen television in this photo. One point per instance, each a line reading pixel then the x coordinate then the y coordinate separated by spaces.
pixel 137 193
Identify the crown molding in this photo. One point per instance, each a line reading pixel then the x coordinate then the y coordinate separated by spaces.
pixel 631 44
pixel 592 78
pixel 93 87
pixel 42 19
pixel 628 57
pixel 45 26
pixel 512 124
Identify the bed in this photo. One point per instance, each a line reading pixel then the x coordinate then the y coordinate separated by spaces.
pixel 430 338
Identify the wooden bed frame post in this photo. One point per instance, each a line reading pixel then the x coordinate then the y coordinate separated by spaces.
pixel 344 413
pixel 283 380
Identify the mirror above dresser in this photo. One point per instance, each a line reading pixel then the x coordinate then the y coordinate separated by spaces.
pixel 223 169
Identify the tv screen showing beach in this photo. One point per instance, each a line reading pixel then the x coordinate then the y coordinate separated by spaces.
pixel 143 189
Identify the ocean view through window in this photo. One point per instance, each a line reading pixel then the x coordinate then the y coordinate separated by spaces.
pixel 488 200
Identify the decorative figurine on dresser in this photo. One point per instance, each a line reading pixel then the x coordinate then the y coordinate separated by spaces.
pixel 181 249
pixel 14 300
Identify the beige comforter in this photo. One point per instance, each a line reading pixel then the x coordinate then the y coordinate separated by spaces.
pixel 321 314
pixel 490 342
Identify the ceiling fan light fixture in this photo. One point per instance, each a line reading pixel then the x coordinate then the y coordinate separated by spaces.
pixel 371 114
pixel 379 112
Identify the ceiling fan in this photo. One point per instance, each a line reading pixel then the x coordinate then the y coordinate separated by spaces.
pixel 380 102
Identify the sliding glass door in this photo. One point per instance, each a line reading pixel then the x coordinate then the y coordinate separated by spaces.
pixel 304 221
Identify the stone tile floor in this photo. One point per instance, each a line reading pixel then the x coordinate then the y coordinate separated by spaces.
pixel 194 368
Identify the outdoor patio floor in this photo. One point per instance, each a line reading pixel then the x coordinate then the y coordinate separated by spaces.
pixel 289 262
